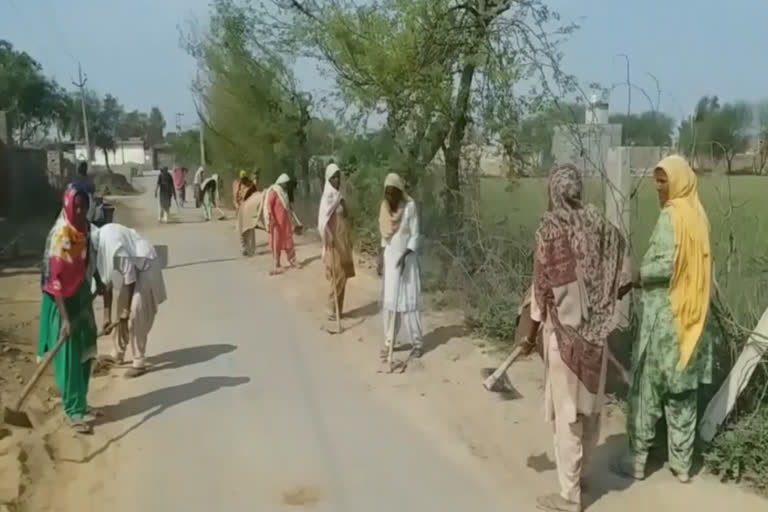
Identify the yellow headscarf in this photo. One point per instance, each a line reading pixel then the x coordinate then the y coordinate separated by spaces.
pixel 689 290
pixel 242 174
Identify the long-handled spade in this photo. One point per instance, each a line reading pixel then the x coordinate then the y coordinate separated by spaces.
pixel 491 382
pixel 391 347
pixel 14 415
pixel 335 294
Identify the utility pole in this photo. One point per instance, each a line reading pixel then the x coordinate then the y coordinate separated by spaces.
pixel 629 85
pixel 81 81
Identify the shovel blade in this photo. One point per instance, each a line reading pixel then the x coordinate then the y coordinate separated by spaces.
pixel 16 418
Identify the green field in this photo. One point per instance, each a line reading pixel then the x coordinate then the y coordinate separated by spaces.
pixel 518 205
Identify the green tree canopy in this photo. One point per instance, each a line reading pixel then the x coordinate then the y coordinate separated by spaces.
pixel 646 129
pixel 33 102
pixel 718 130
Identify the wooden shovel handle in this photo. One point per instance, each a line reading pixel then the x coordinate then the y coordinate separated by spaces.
pixel 501 370
pixel 40 369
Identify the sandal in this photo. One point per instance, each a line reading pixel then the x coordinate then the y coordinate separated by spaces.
pixel 555 502
pixel 628 468
pixel 80 426
pixel 132 373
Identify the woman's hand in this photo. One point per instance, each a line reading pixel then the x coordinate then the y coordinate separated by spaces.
pixel 624 289
pixel 65 330
pixel 528 345
pixel 401 261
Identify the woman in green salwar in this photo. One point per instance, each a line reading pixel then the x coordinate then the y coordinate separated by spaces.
pixel 673 355
pixel 67 310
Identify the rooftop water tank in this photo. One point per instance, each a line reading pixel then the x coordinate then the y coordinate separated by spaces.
pixel 597 111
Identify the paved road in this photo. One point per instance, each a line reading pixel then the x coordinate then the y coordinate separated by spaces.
pixel 245 413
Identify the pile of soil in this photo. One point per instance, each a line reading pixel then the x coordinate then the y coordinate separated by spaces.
pixel 19 321
pixel 112 183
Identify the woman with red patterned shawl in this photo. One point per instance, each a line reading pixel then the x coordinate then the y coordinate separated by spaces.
pixel 68 266
pixel 281 222
pixel 578 262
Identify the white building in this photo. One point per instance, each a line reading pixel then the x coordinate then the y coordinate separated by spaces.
pixel 129 151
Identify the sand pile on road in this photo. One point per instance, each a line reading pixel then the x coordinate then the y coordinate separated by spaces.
pixel 112 183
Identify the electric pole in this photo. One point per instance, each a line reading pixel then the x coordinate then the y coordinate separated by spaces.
pixel 629 85
pixel 81 81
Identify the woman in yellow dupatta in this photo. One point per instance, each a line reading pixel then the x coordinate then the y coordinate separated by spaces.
pixel 673 355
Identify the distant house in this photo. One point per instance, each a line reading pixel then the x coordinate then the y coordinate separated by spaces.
pixel 128 151
pixel 162 156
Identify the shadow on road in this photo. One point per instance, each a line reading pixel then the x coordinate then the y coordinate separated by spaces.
pixel 309 260
pixel 443 335
pixel 369 309
pixel 194 263
pixel 155 403
pixel 187 356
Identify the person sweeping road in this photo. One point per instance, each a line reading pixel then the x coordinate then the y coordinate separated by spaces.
pixel 399 264
pixel 165 191
pixel 250 216
pixel 281 222
pixel 210 190
pixel 180 184
pixel 197 182
pixel 131 265
pixel 335 233
pixel 577 271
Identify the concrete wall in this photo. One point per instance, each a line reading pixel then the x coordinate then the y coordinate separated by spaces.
pixel 24 187
pixel 124 153
pixel 25 190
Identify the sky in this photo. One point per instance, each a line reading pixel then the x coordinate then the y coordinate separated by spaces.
pixel 131 49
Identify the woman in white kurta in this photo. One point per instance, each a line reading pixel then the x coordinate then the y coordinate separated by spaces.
pixel 131 262
pixel 400 240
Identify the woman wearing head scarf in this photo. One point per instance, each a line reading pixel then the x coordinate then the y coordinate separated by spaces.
pixel 281 221
pixel 672 357
pixel 180 183
pixel 197 181
pixel 399 263
pixel 335 233
pixel 129 262
pixel 250 216
pixel 244 190
pixel 66 306
pixel 165 190
pixel 241 176
pixel 210 192
pixel 578 259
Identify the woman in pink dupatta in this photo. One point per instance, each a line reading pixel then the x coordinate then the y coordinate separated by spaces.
pixel 180 183
pixel 281 222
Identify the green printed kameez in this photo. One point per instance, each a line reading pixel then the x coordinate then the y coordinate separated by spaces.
pixel 657 388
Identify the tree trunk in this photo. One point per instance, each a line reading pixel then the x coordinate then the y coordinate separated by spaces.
pixel 106 159
pixel 453 202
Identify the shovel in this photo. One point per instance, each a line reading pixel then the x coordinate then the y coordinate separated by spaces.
pixel 14 415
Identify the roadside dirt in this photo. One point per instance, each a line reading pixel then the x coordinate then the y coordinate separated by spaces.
pixel 442 394
pixel 28 457
pixel 503 438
